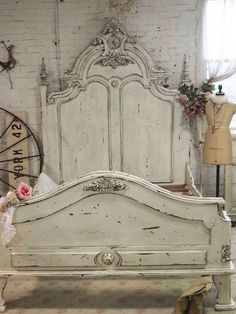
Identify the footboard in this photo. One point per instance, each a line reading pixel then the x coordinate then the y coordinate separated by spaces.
pixel 113 223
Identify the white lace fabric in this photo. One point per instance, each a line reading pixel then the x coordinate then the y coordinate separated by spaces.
pixel 7 230
pixel 219 42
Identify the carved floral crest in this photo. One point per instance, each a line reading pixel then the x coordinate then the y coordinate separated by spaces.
pixel 105 185
pixel 114 37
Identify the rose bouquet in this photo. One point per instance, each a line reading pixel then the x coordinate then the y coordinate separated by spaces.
pixel 23 192
pixel 194 99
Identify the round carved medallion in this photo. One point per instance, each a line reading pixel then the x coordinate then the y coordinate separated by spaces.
pixel 108 258
pixel 114 83
pixel 114 42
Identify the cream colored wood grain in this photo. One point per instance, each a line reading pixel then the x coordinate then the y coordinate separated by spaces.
pixel 17 132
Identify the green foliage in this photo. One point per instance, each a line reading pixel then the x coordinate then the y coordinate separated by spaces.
pixel 194 98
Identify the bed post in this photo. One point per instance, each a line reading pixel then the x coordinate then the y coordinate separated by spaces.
pixel 225 301
pixel 3 283
pixel 43 98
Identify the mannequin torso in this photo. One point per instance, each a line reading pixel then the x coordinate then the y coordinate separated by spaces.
pixel 217 148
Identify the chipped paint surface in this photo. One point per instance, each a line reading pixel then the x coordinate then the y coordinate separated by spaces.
pixel 131 222
pixel 128 232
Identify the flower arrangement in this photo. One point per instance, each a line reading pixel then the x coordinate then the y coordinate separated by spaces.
pixel 194 98
pixel 23 192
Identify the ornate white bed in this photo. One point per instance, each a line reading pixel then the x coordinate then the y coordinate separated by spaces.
pixel 110 139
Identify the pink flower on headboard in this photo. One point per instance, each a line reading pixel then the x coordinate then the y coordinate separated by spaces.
pixel 24 191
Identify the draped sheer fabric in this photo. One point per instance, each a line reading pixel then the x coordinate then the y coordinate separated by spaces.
pixel 219 39
pixel 7 230
pixel 6 227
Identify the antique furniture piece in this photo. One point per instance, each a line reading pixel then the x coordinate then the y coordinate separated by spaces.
pixel 229 186
pixel 110 138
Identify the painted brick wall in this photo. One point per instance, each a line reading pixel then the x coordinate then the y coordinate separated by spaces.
pixel 167 29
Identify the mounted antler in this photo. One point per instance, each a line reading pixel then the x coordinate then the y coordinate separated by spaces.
pixel 10 64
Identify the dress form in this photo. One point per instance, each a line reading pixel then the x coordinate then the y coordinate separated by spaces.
pixel 217 149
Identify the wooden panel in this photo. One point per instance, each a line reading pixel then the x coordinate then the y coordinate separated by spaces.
pixel 182 188
pixel 167 257
pixel 55 258
pixel 109 219
pixel 3 187
pixel 147 134
pixel 16 133
pixel 85 144
pixel 136 125
pixel 87 257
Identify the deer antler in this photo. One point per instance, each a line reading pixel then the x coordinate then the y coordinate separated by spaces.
pixel 10 64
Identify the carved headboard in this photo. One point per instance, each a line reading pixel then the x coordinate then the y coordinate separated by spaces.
pixel 114 114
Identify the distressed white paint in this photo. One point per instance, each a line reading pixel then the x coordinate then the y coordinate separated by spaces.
pixel 167 29
pixel 58 230
pixel 117 118
pixel 3 282
pixel 139 229
pixel 84 258
pixel 147 134
pixel 83 124
pixel 224 295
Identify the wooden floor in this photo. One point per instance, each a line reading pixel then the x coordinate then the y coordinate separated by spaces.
pixel 101 296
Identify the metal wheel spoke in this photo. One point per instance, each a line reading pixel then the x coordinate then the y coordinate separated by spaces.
pixel 2 151
pixel 21 174
pixel 18 158
pixel 7 128
pixel 7 183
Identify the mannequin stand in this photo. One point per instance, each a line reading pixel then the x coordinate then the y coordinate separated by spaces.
pixel 217 180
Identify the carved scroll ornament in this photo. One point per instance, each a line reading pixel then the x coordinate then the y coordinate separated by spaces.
pixel 105 185
pixel 114 37
pixel 226 253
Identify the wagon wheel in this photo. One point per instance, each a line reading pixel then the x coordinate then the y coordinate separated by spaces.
pixel 20 155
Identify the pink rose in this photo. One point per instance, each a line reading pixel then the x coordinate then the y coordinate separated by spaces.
pixel 208 95
pixel 24 191
pixel 183 98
